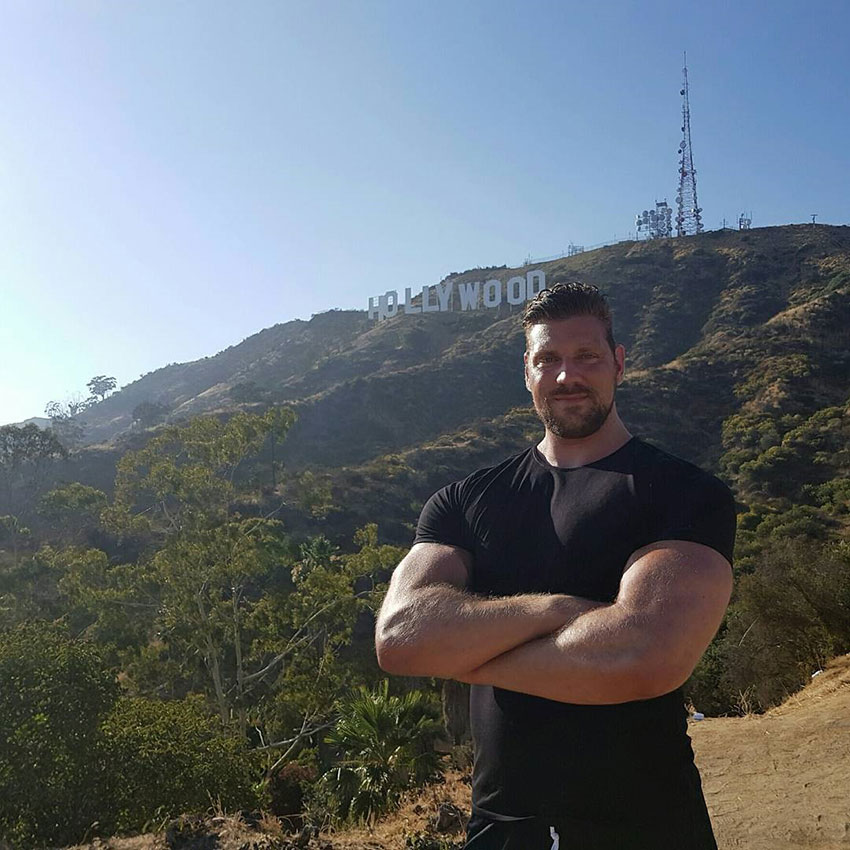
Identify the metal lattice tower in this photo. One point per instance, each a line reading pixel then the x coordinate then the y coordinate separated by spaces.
pixel 689 217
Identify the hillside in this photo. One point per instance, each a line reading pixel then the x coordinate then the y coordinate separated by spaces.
pixel 723 299
pixel 746 375
pixel 782 779
pixel 779 781
pixel 738 352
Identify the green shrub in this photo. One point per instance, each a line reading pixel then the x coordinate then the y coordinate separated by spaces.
pixel 169 758
pixel 54 692
pixel 790 614
pixel 385 745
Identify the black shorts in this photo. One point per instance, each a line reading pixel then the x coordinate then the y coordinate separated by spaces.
pixel 691 833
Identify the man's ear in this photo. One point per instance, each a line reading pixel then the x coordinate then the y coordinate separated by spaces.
pixel 620 358
pixel 525 370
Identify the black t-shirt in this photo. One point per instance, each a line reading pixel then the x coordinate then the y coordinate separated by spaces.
pixel 532 527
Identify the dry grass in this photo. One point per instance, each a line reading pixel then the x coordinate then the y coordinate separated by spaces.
pixel 416 815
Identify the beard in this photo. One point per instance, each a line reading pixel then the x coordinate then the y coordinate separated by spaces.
pixel 583 421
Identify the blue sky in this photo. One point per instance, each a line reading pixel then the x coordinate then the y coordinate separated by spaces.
pixel 175 176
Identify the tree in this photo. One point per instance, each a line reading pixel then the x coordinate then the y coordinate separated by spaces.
pixel 70 407
pixel 172 757
pixel 790 614
pixel 27 444
pixel 209 583
pixel 112 603
pixel 100 386
pixel 234 608
pixel 149 413
pixel 215 576
pixel 63 420
pixel 312 494
pixel 333 598
pixel 75 756
pixel 270 634
pixel 185 476
pixel 74 507
pixel 28 587
pixel 13 531
pixel 55 693
pixel 25 454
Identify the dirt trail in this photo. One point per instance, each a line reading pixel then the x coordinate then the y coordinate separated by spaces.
pixel 782 780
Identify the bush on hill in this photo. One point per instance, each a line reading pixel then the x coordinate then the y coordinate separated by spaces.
pixel 55 692
pixel 384 745
pixel 789 616
pixel 76 758
pixel 167 758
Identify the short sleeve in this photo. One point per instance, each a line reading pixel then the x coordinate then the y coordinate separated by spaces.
pixel 697 507
pixel 442 520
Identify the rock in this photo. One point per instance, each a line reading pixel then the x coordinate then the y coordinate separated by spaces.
pixel 449 818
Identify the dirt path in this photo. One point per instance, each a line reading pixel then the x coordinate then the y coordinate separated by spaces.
pixel 782 780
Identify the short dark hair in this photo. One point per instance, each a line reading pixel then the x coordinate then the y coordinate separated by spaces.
pixel 565 300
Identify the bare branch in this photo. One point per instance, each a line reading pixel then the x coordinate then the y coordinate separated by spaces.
pixel 299 737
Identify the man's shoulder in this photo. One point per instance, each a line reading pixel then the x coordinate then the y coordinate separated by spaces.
pixel 658 463
pixel 684 501
pixel 464 491
pixel 485 475
pixel 444 517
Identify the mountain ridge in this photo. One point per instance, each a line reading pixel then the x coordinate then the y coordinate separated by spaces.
pixel 667 296
pixel 733 339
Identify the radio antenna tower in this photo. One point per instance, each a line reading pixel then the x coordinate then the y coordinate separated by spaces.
pixel 689 217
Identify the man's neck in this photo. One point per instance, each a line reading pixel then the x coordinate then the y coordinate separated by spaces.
pixel 571 453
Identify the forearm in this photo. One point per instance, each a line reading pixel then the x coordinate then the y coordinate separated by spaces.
pixel 602 657
pixel 445 631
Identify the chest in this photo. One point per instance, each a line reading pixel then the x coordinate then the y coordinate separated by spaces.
pixel 569 532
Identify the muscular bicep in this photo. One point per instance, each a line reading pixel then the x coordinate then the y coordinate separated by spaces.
pixel 426 565
pixel 677 592
pixel 425 595
pixel 429 564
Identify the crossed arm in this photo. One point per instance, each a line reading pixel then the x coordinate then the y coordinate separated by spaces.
pixel 646 643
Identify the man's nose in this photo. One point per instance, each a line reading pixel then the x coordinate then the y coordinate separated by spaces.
pixel 566 372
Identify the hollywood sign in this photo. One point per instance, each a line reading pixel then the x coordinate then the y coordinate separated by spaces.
pixel 470 296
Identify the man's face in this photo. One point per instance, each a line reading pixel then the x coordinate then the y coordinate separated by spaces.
pixel 572 374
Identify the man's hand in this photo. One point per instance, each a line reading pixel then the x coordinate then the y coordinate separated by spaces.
pixel 429 625
pixel 672 598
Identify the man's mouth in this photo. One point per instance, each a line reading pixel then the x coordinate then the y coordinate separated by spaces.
pixel 569 396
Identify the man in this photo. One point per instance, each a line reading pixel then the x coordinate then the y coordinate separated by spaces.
pixel 574 586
